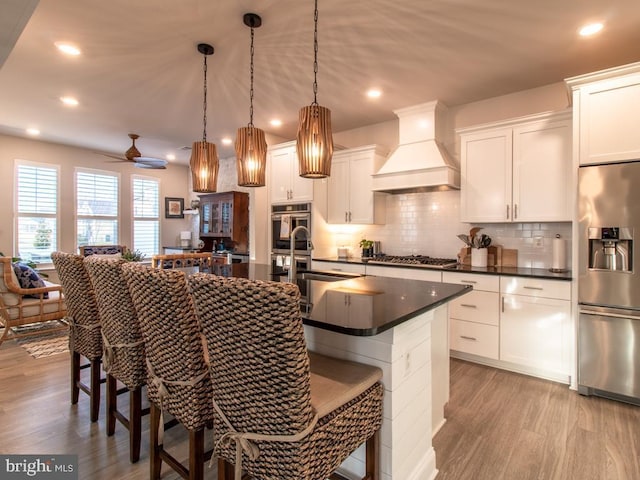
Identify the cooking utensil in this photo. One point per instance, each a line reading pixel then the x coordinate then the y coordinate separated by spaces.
pixel 465 239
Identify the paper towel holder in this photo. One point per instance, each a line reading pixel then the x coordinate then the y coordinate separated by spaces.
pixel 554 269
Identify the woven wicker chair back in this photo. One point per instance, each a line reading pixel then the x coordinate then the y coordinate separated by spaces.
pixel 182 260
pixel 173 343
pixel 82 308
pixel 124 356
pixel 258 355
pixel 88 250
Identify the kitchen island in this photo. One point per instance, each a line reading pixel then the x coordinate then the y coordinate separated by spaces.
pixel 398 325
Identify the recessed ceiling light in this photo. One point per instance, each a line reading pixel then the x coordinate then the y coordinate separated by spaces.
pixel 70 101
pixel 33 131
pixel 227 141
pixel 590 29
pixel 374 93
pixel 171 156
pixel 276 122
pixel 68 48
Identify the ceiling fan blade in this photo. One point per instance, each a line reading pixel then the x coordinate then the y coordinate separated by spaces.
pixel 122 159
pixel 150 166
pixel 150 161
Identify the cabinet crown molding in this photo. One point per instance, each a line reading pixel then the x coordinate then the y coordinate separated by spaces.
pixel 565 114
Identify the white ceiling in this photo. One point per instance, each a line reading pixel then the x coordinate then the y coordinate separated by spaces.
pixel 140 71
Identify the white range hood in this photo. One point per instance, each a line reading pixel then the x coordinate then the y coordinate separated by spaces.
pixel 420 163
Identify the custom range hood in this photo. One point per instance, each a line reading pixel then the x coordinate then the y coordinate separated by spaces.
pixel 420 163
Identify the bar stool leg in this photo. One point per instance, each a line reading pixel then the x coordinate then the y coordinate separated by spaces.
pixel 135 423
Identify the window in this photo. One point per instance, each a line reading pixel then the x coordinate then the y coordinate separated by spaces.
pixel 146 215
pixel 96 207
pixel 36 211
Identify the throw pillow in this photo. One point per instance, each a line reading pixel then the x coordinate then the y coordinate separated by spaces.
pixel 28 278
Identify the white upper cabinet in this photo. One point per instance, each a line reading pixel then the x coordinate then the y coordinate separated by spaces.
pixel 350 197
pixel 284 182
pixel 517 171
pixel 607 114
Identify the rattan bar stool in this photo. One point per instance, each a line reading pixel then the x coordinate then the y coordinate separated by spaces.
pixel 178 379
pixel 182 260
pixel 277 414
pixel 85 338
pixel 123 357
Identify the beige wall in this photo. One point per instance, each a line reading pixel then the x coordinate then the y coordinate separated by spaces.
pixel 174 182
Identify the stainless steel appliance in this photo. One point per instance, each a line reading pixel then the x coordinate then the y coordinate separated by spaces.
pixel 284 219
pixel 419 260
pixel 609 281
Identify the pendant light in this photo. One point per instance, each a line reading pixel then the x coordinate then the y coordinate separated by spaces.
pixel 314 140
pixel 204 156
pixel 251 147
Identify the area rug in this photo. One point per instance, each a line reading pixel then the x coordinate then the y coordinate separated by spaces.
pixel 45 344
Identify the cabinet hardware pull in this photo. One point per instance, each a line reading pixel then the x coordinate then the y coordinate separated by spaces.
pixel 502 304
pixel 468 281
pixel 349 217
pixel 345 217
pixel 507 212
pixel 473 339
pixel 468 305
pixel 533 288
pixel 515 211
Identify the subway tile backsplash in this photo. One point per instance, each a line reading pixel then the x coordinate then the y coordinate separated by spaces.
pixel 428 224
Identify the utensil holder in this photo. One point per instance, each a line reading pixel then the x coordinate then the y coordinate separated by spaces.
pixel 479 257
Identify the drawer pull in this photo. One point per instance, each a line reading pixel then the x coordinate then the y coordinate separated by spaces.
pixel 533 288
pixel 468 306
pixel 473 339
pixel 468 281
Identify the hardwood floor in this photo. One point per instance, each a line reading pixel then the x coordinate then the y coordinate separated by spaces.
pixel 502 425
pixel 36 417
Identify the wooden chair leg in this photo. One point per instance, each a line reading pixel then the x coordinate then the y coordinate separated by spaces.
pixel 95 389
pixel 225 470
pixel 372 461
pixel 112 404
pixel 155 461
pixel 196 454
pixel 135 423
pixel 75 377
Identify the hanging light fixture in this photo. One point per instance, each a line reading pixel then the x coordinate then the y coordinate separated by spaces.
pixel 251 147
pixel 204 156
pixel 315 142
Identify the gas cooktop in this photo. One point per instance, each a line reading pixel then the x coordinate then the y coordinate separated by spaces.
pixel 420 260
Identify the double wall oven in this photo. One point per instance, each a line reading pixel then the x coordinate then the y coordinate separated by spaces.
pixel 284 218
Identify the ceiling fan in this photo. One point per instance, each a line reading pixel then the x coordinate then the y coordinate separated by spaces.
pixel 134 155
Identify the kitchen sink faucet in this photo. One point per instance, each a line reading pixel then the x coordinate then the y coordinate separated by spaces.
pixel 292 241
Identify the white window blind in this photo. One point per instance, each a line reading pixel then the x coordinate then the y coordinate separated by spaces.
pixel 146 215
pixel 36 211
pixel 96 208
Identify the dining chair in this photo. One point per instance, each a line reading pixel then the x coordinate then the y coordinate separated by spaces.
pixel 182 260
pixel 123 346
pixel 88 250
pixel 178 380
pixel 280 411
pixel 85 338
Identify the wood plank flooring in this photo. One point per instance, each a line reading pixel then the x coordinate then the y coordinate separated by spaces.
pixel 500 425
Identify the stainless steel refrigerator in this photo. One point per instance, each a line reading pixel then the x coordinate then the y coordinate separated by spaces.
pixel 609 281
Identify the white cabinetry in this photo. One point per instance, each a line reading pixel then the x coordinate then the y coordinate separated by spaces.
pixel 606 114
pixel 517 171
pixel 474 318
pixel 350 195
pixel 535 325
pixel 285 184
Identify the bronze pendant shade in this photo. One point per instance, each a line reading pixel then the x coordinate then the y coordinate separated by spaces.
pixel 204 167
pixel 314 142
pixel 251 146
pixel 204 161
pixel 251 154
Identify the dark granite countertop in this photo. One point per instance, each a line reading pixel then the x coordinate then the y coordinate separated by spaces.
pixel 508 271
pixel 360 306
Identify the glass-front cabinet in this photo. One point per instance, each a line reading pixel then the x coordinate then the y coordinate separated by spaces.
pixel 224 219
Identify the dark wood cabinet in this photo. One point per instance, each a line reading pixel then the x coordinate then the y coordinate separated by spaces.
pixel 224 217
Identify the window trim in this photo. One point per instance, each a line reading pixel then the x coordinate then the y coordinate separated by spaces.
pixel 117 217
pixel 16 215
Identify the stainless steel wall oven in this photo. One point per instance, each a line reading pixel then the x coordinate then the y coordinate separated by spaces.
pixel 284 218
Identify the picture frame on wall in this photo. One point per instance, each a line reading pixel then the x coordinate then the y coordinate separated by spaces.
pixel 173 207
